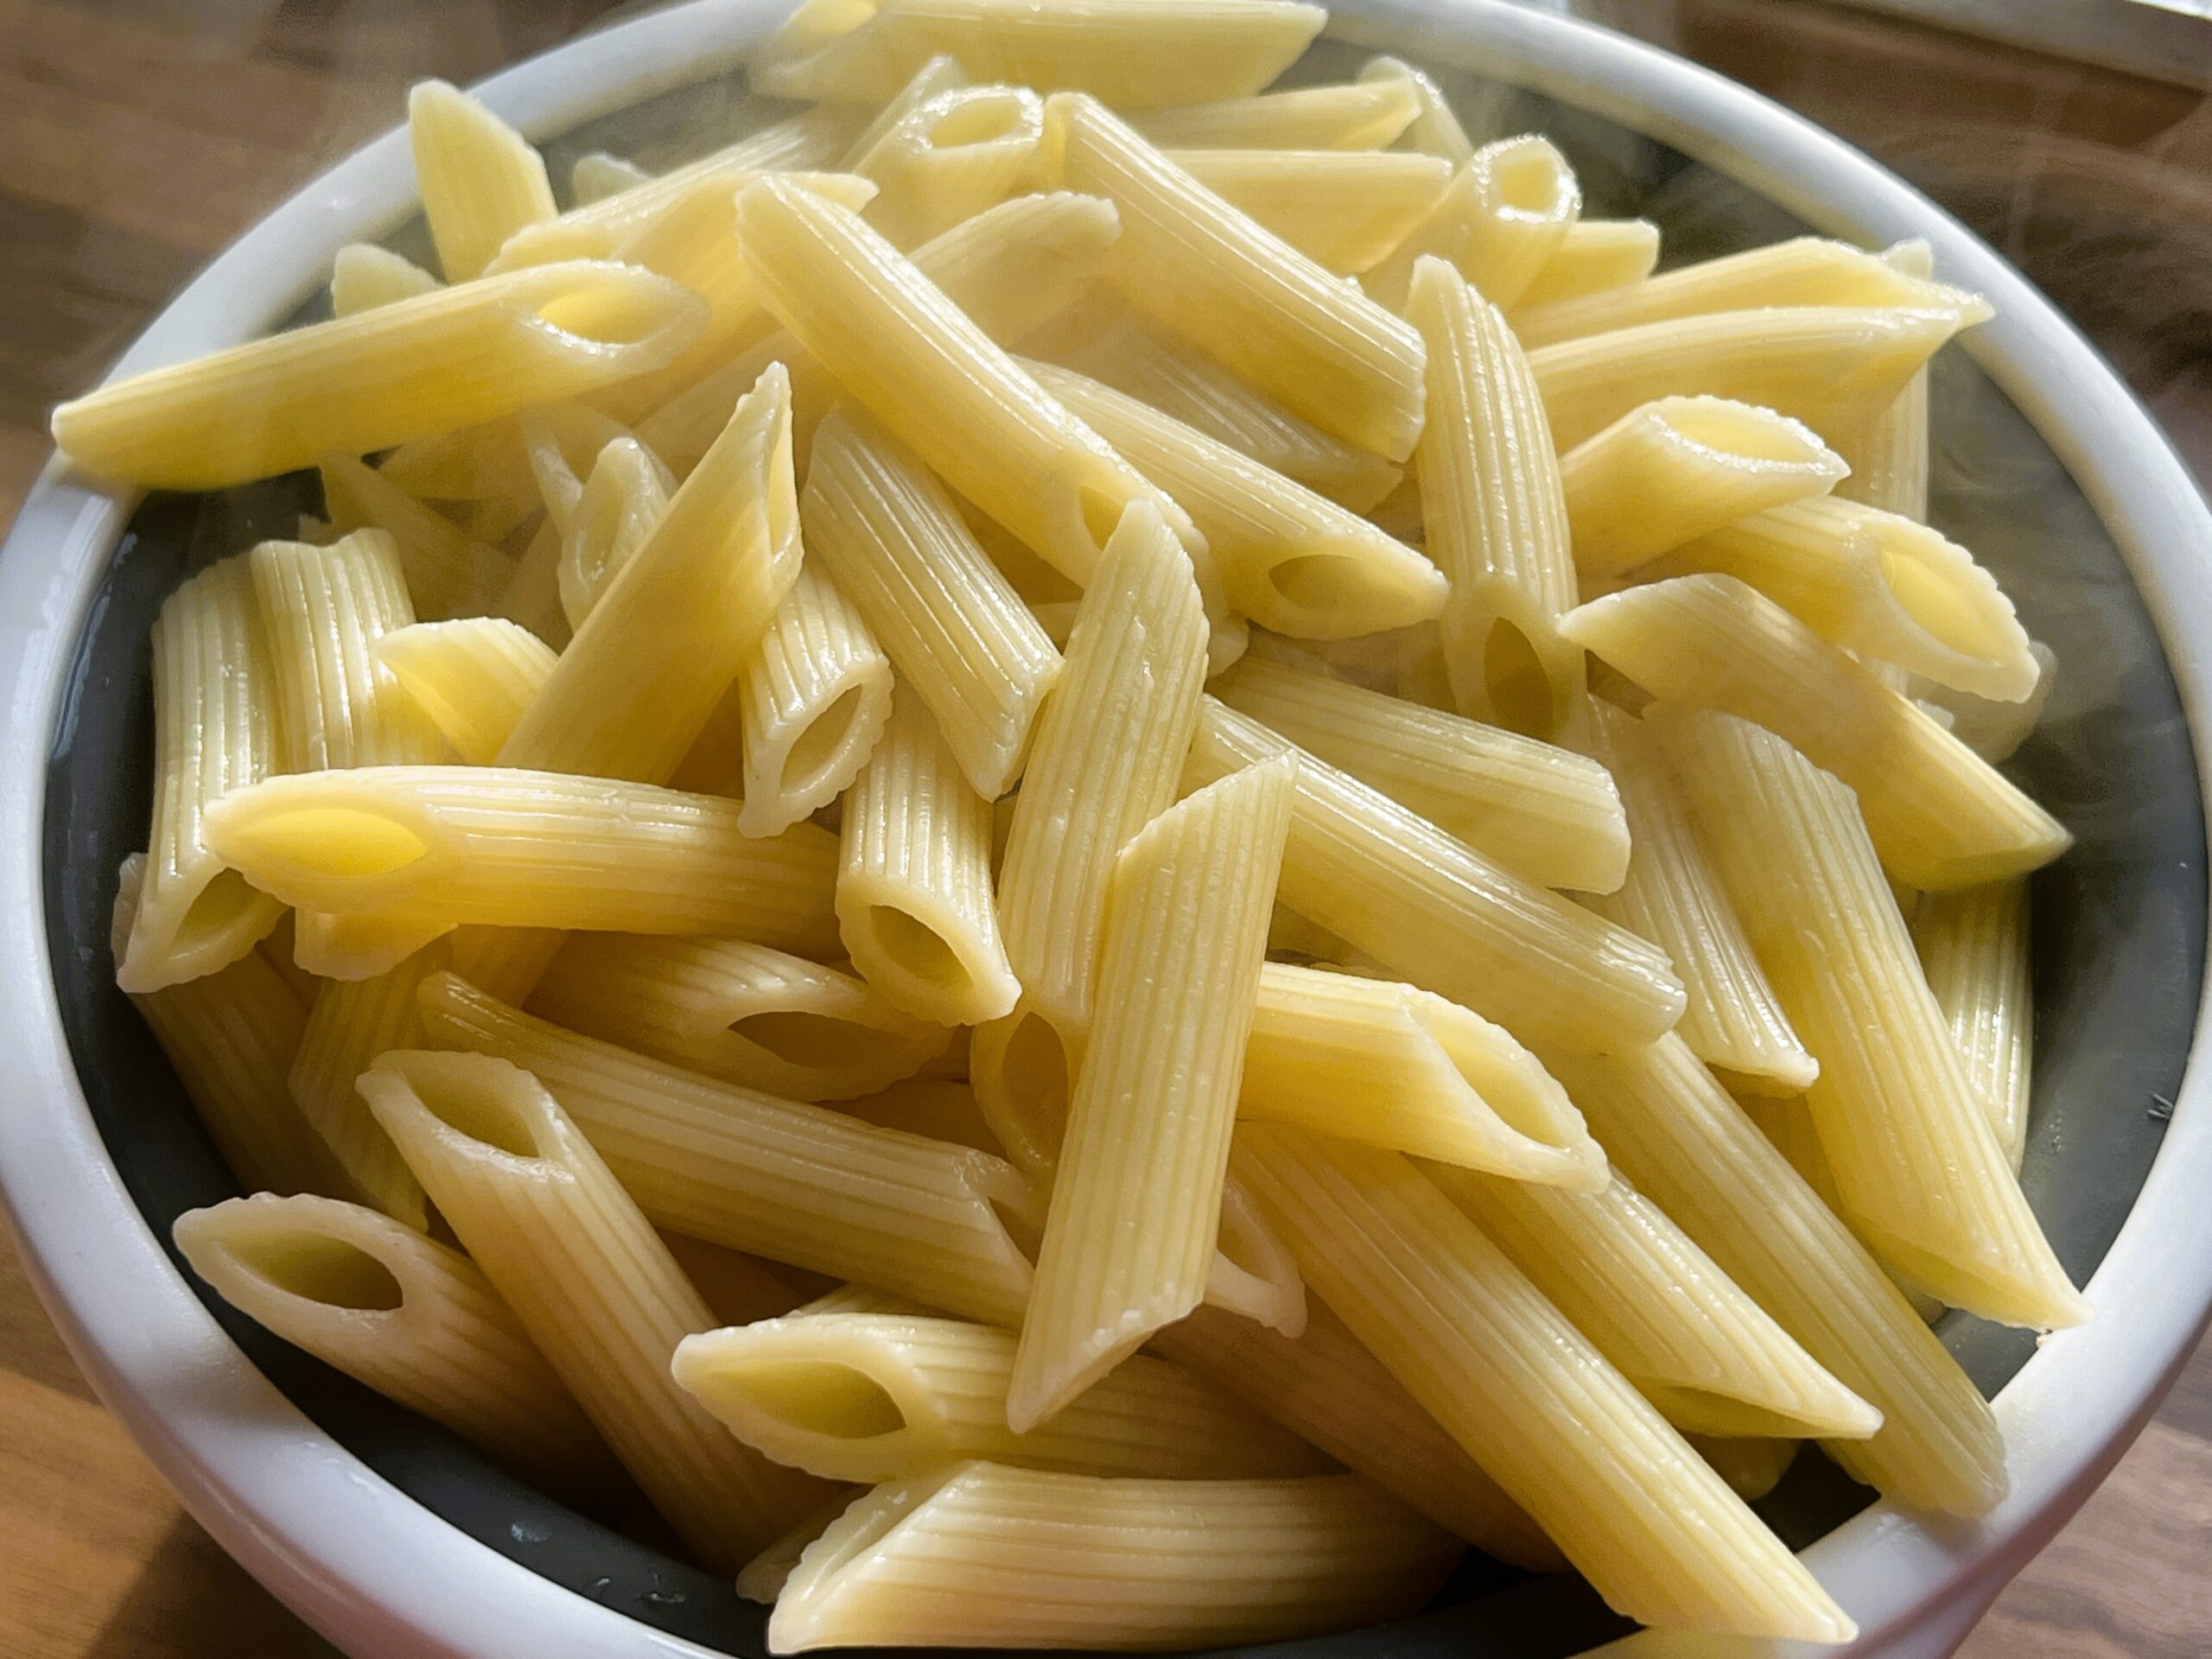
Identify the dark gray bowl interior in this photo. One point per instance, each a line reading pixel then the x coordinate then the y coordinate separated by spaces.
pixel 2118 924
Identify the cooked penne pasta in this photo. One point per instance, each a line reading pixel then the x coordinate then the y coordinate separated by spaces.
pixel 1993 730
pixel 791 1183
pixel 596 175
pixel 884 1396
pixel 737 1011
pixel 1435 129
pixel 1139 52
pixel 1359 115
pixel 472 678
pixel 1547 814
pixel 589 1281
pixel 1974 948
pixel 949 157
pixel 615 513
pixel 1915 1156
pixel 449 573
pixel 503 847
pixel 1494 517
pixel 914 902
pixel 960 637
pixel 457 357
pixel 935 1108
pixel 1752 1466
pixel 1888 451
pixel 1594 255
pixel 363 277
pixel 562 442
pixel 814 696
pixel 1674 896
pixel 1345 210
pixel 1677 468
pixel 941 73
pixel 1941 817
pixel 1503 217
pixel 738 1288
pixel 482 181
pixel 1393 884
pixel 1527 1395
pixel 414 1319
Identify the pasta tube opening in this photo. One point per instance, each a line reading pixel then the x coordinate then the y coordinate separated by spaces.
pixel 1021 1070
pixel 469 1097
pixel 1515 680
pixel 311 1267
pixel 988 115
pixel 345 840
pixel 828 1397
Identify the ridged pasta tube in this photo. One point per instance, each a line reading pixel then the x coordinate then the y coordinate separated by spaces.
pixel 1974 948
pixel 363 277
pixel 1596 256
pixel 473 677
pixel 1345 210
pixel 620 501
pixel 814 696
pixel 450 572
pixel 1359 115
pixel 1507 211
pixel 949 157
pixel 597 174
pixel 482 181
pixel 1888 451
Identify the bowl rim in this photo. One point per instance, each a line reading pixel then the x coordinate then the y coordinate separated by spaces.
pixel 366 1565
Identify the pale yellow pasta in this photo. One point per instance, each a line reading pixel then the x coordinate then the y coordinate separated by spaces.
pixel 1108 751
pixel 363 277
pixel 936 1108
pixel 957 632
pixel 941 73
pixel 1993 730
pixel 449 573
pixel 1435 130
pixel 1915 1156
pixel 1545 813
pixel 1494 514
pixel 614 511
pixel 1395 1066
pixel 562 442
pixel 596 175
pixel 949 157
pixel 763 1577
pixel 1676 469
pixel 1201 269
pixel 1974 948
pixel 1674 896
pixel 1803 272
pixel 1888 451
pixel 1326 1387
pixel 1357 114
pixel 504 847
pixel 1676 1133
pixel 1752 1466
pixel 1021 1069
pixel 737 1011
pixel 1138 53
pixel 814 698
pixel 278 946
pixel 791 1183
pixel 1290 559
pixel 1527 1395
pixel 897 345
pixel 738 1288
pixel 1345 210
pixel 472 678
pixel 481 181
pixel 883 1396
pixel 1825 366
pixel 1136 1204
pixel 1505 214
pixel 455 357
pixel 589 1281
pixel 1940 816
pixel 216 728
pixel 1595 256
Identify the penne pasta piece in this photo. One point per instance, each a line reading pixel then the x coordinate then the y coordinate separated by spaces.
pixel 861 1299
pixel 1386 1064
pixel 1393 884
pixel 1547 814
pixel 363 277
pixel 815 698
pixel 1802 273
pixel 1185 384
pixel 1595 256
pixel 1677 468
pixel 449 573
pixel 1706 1355
pixel 1888 451
pixel 562 442
pixel 569 1250
pixel 937 1108
pixel 482 181
pixel 1752 1466
pixel 1022 1068
pixel 913 894
pixel 1494 516
pixel 230 1035
pixel 1671 1129
pixel 1506 214
pixel 1993 730
pixel 883 1396
pixel 615 513
pixel 1825 366
pixel 1973 946
pixel 763 1577
pixel 1345 210
pixel 1108 751
pixel 1356 115
pixel 215 730
pixel 503 847
pixel 1435 129
pixel 455 357
pixel 738 1288
pixel 1204 271
pixel 414 1319
pixel 469 464
pixel 1136 1205
pixel 1291 560
pixel 1674 896
pixel 596 175
pixel 941 73
pixel 897 345
pixel 278 946
pixel 1941 817
pixel 1140 53
pixel 949 157
pixel 1915 1157
pixel 472 678
pixel 740 1012
pixel 959 637
pixel 791 1183
pixel 1527 1395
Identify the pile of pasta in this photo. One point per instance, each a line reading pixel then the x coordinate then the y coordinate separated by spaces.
pixel 1097 855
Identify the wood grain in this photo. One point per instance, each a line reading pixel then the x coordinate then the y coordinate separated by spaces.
pixel 138 137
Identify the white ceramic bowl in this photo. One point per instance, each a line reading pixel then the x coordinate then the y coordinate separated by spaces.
pixel 379 1572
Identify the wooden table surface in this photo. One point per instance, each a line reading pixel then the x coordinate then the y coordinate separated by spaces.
pixel 139 136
